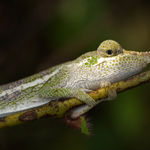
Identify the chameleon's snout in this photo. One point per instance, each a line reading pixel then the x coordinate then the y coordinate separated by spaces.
pixel 143 56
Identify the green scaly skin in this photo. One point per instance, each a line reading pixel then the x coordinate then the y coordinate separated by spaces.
pixel 108 64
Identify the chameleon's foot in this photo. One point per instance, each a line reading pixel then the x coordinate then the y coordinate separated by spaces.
pixel 111 92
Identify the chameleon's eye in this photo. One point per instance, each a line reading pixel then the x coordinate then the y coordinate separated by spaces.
pixel 109 52
pixel 109 48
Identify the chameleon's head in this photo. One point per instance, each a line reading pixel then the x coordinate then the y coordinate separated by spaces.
pixel 109 48
pixel 116 63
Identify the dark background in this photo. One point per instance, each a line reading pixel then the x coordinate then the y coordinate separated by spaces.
pixel 38 34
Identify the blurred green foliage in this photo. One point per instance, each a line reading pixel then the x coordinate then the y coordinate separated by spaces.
pixel 37 34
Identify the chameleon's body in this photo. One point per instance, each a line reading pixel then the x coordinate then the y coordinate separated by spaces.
pixel 109 64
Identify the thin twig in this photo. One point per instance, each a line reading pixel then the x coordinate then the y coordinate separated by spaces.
pixel 59 109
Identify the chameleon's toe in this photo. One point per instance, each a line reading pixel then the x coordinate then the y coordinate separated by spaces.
pixel 111 94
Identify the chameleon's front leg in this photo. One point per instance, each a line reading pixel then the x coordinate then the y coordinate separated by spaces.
pixel 54 93
pixel 57 93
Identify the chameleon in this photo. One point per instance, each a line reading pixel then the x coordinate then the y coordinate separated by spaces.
pixel 109 64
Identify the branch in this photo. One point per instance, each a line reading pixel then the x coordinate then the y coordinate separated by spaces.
pixel 59 109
